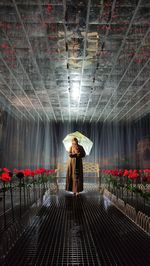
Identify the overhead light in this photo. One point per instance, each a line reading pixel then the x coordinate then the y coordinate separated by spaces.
pixel 75 92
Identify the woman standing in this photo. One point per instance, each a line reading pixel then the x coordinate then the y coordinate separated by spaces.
pixel 74 178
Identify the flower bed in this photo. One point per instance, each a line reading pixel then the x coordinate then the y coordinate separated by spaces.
pixel 21 188
pixel 129 184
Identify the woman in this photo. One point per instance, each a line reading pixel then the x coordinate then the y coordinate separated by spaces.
pixel 74 179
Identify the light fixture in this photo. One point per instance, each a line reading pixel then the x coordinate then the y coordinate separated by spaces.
pixel 75 91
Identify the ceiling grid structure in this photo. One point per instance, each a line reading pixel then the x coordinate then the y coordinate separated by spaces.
pixel 128 67
pixel 34 60
pixel 67 55
pixel 71 60
pixel 24 72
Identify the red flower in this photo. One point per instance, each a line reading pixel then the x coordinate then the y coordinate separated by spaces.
pixel 5 170
pixel 133 174
pixel 126 172
pixel 146 170
pixel 120 173
pixel 15 171
pixel 32 173
pixel 114 172
pixel 49 8
pixel 5 177
pixel 27 172
pixel 42 170
pixel 37 172
pixel 4 46
pixel 148 178
pixel 51 171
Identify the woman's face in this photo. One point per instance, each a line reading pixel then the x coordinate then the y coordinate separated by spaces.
pixel 74 143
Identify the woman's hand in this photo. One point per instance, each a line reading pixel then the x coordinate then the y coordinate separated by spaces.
pixel 72 155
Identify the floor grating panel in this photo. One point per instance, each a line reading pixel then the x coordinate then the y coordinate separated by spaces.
pixel 84 230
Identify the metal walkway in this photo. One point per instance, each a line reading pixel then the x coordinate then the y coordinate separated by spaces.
pixel 84 230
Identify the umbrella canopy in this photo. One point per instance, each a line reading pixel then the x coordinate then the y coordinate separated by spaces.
pixel 83 141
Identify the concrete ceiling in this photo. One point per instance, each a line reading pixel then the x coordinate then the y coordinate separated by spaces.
pixel 70 60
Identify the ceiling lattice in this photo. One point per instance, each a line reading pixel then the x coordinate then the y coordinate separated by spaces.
pixel 67 60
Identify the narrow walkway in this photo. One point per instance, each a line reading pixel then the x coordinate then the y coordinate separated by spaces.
pixel 80 231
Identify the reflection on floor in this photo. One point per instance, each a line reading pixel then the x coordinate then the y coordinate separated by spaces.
pixel 84 230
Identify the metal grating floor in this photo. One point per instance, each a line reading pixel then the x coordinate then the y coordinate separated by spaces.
pixel 84 230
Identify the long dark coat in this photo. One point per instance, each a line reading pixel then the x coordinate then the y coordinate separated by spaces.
pixel 74 177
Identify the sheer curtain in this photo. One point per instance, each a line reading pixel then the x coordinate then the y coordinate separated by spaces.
pixel 39 144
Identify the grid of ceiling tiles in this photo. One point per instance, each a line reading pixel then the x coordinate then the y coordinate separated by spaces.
pixel 84 60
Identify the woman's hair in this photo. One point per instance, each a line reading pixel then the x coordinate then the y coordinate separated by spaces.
pixel 75 139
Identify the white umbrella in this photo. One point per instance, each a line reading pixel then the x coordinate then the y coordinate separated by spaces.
pixel 83 141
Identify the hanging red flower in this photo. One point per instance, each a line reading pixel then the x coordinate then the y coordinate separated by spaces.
pixel 4 46
pixel 49 8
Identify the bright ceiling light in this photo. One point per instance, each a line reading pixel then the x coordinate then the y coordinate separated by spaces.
pixel 75 92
